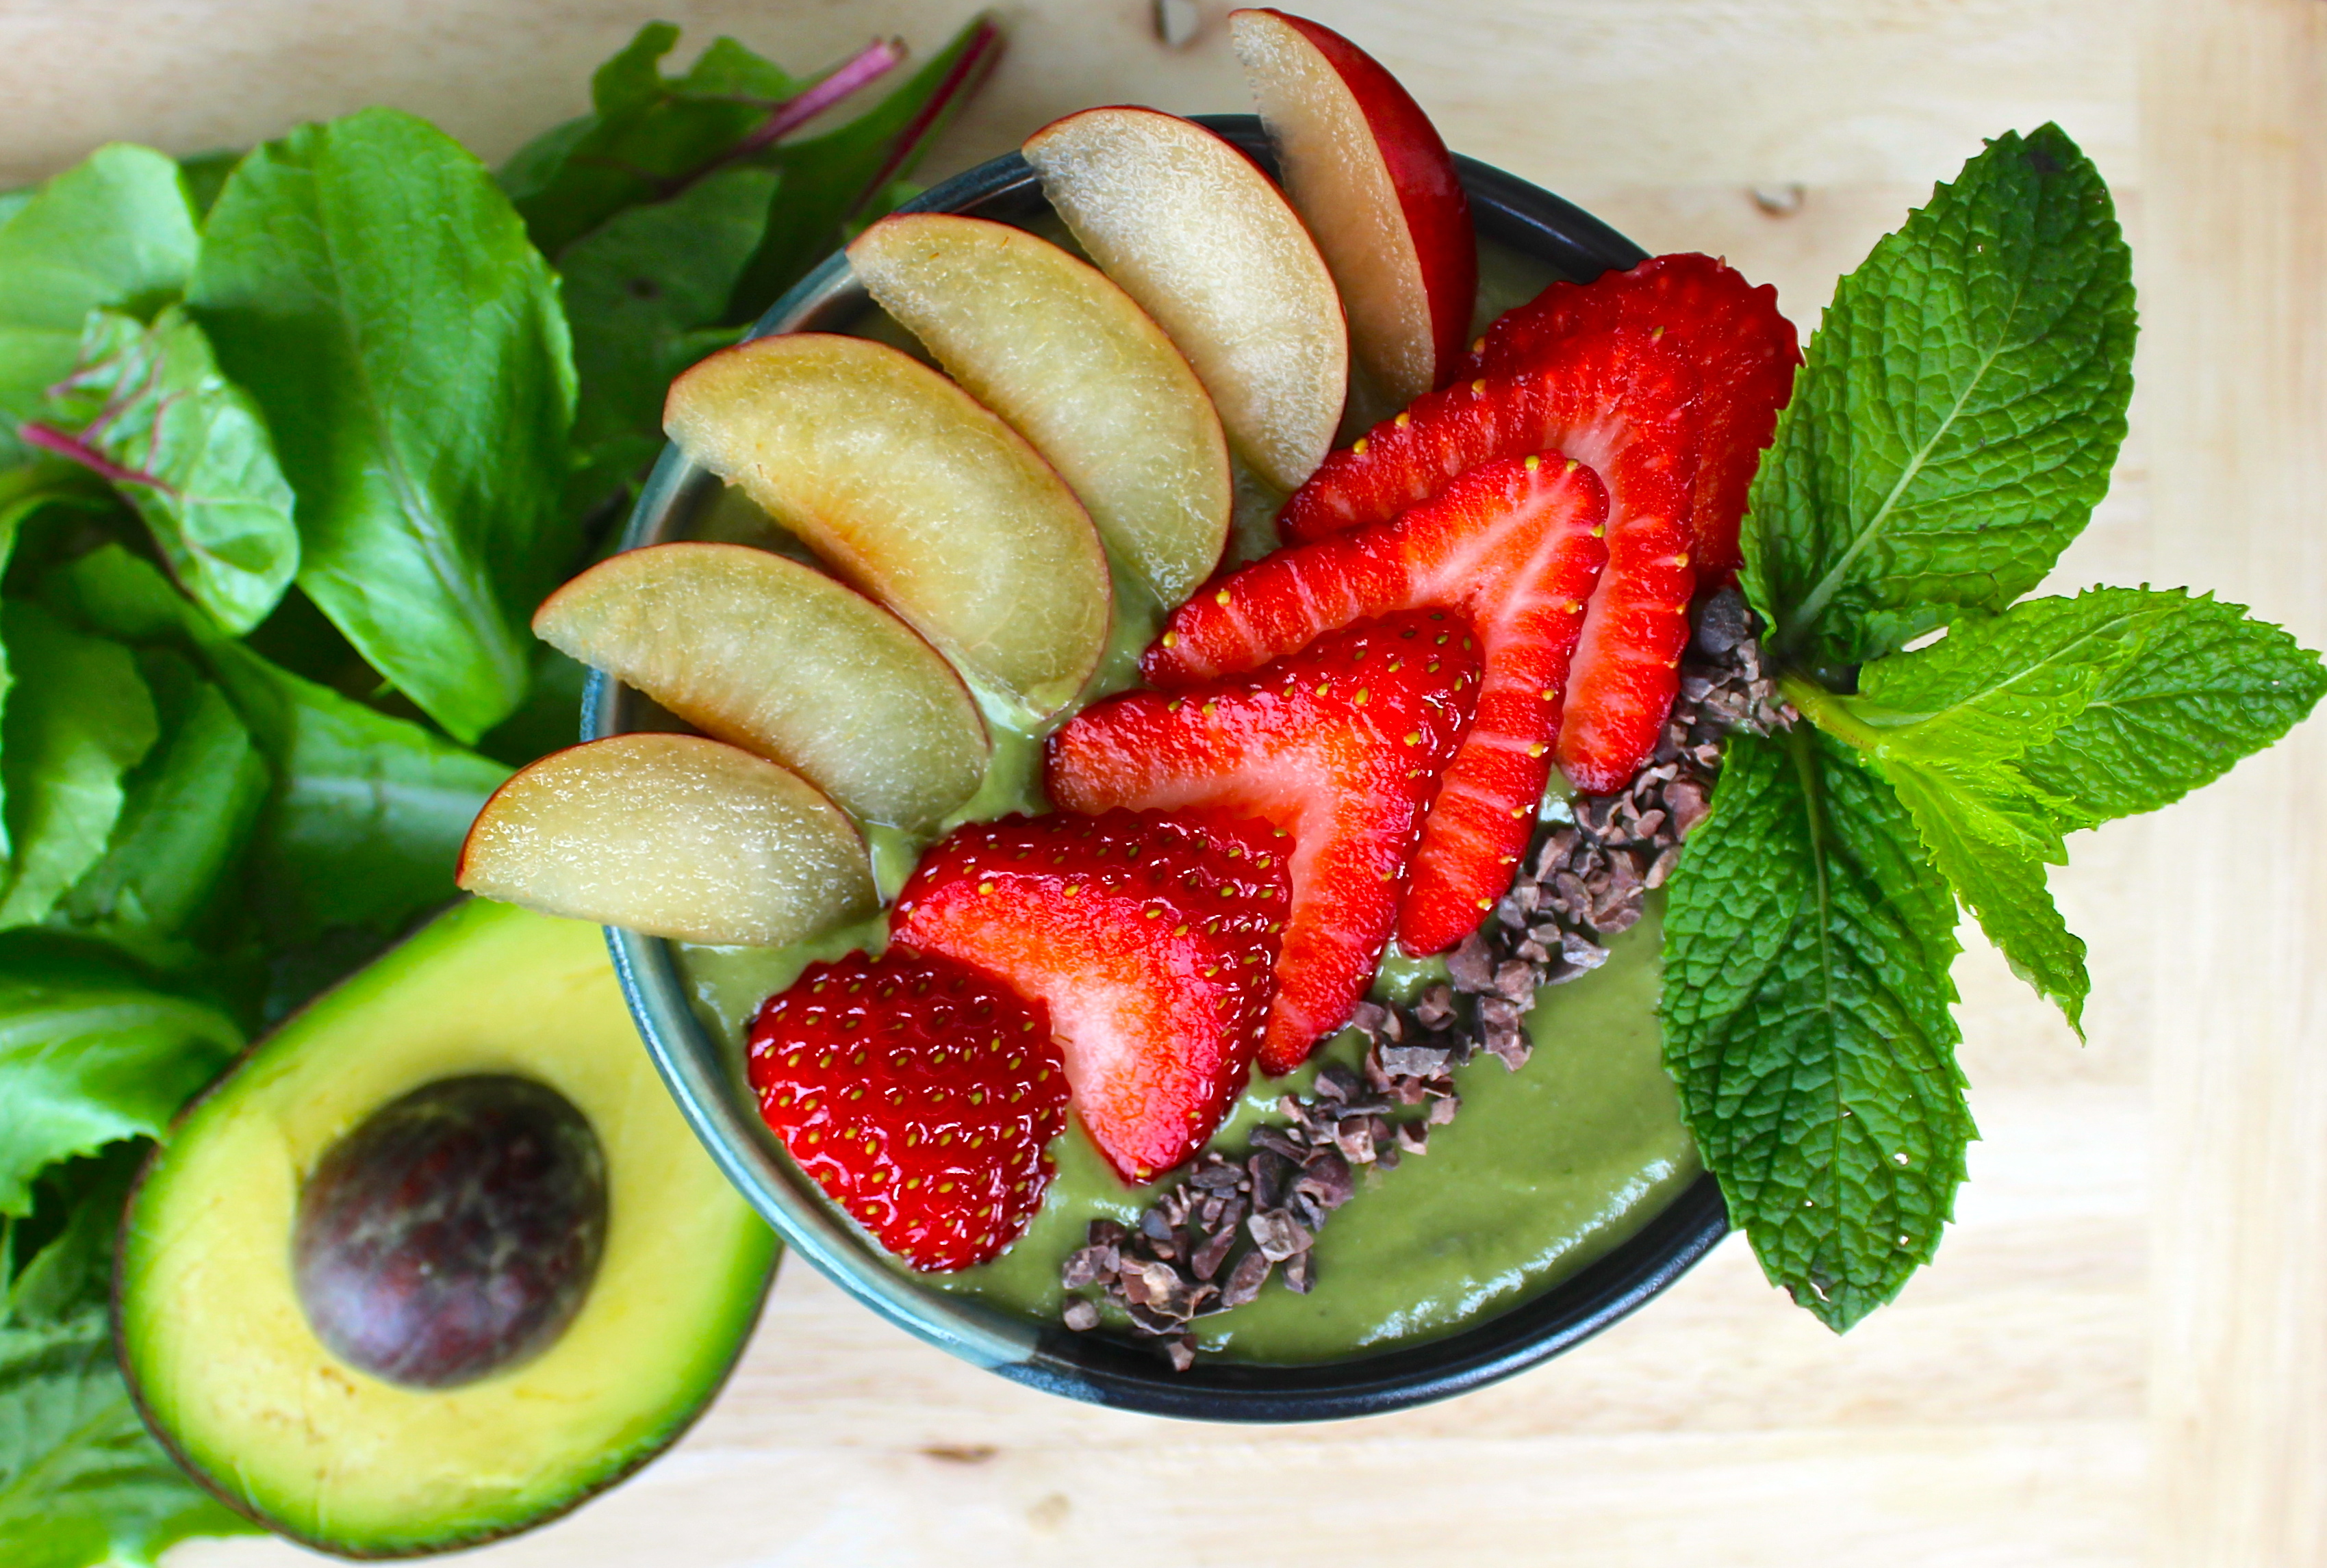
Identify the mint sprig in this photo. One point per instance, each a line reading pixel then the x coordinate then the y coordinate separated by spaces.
pixel 1806 1021
pixel 1957 413
pixel 1954 423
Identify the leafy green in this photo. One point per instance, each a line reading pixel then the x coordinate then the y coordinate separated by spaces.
pixel 188 813
pixel 79 719
pixel 81 1480
pixel 206 174
pixel 1805 1017
pixel 1958 412
pixel 114 232
pixel 648 137
pixel 90 1054
pixel 834 179
pixel 148 410
pixel 370 287
pixel 366 818
pixel 2200 686
pixel 639 288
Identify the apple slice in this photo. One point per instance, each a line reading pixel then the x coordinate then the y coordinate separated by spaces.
pixel 1077 370
pixel 675 835
pixel 1195 232
pixel 902 483
pixel 780 659
pixel 1365 167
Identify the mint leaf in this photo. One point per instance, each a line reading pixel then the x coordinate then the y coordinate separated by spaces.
pixel 1958 414
pixel 114 232
pixel 77 720
pixel 148 411
pixel 2198 688
pixel 372 287
pixel 188 812
pixel 80 1480
pixel 89 1054
pixel 1805 1014
pixel 637 288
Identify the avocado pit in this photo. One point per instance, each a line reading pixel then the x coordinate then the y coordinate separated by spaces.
pixel 454 1233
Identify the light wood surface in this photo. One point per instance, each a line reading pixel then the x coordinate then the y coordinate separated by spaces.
pixel 2121 1354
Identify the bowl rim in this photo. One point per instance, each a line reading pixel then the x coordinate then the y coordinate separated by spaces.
pixel 1095 1368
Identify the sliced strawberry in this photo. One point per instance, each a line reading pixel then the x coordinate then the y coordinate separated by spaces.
pixel 1517 545
pixel 920 1095
pixel 1152 942
pixel 1744 352
pixel 1339 749
pixel 1618 402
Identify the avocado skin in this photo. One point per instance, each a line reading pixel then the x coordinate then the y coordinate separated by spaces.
pixel 517 949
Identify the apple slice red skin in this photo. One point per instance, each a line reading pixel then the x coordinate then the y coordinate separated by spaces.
pixel 1430 194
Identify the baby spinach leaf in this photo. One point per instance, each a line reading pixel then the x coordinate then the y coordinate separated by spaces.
pixel 206 175
pixel 370 287
pixel 80 1476
pixel 649 137
pixel 115 232
pixel 1958 414
pixel 838 177
pixel 79 719
pixel 1806 1020
pixel 188 812
pixel 366 818
pixel 91 1054
pixel 148 411
pixel 2201 686
pixel 638 288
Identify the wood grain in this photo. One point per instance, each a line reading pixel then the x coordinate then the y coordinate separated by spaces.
pixel 2120 1353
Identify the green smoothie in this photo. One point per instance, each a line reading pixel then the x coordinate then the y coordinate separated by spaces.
pixel 1544 1169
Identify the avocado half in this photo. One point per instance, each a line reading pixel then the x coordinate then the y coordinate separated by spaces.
pixel 220 1351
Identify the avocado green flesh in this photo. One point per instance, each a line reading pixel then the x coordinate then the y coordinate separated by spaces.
pixel 219 1351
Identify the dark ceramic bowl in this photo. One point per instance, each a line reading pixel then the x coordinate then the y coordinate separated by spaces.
pixel 708 1082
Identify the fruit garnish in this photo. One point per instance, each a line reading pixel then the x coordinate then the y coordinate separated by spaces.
pixel 1338 748
pixel 774 657
pixel 1620 403
pixel 676 836
pixel 1194 232
pixel 906 486
pixel 1078 369
pixel 1745 351
pixel 1517 546
pixel 1377 189
pixel 1151 941
pixel 920 1094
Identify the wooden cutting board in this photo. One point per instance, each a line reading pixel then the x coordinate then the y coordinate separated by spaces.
pixel 2122 1351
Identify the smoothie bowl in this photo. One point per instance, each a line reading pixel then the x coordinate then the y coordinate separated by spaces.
pixel 1246 835
pixel 1562 1199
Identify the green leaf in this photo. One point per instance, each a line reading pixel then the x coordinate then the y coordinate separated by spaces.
pixel 115 232
pixel 831 179
pixel 373 290
pixel 1805 1013
pixel 638 288
pixel 1958 412
pixel 2200 686
pixel 206 175
pixel 89 1054
pixel 148 410
pixel 366 818
pixel 188 811
pixel 79 719
pixel 80 1480
pixel 650 137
